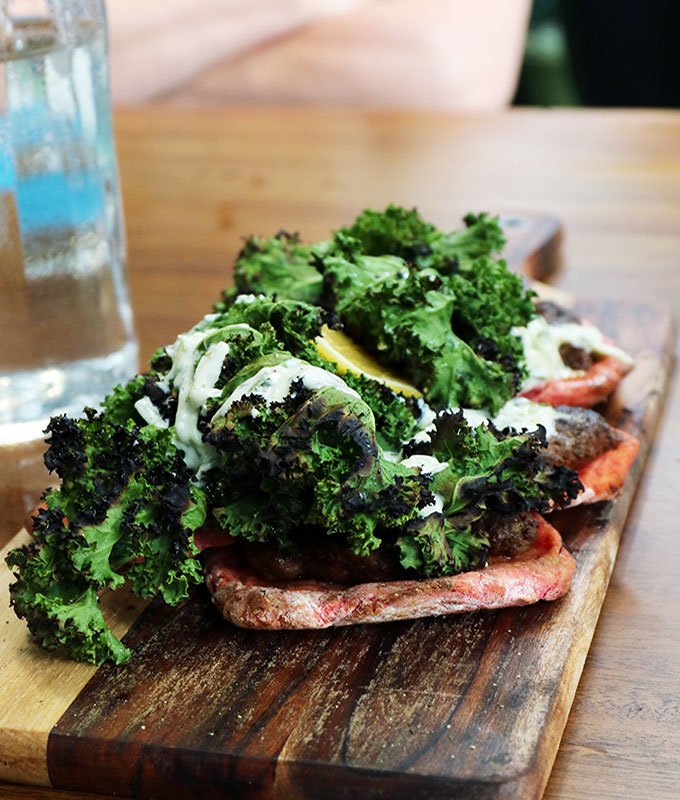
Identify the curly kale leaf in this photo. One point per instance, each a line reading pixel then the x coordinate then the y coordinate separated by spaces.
pixel 280 265
pixel 119 405
pixel 487 471
pixel 295 323
pixel 403 232
pixel 396 416
pixel 312 458
pixel 60 607
pixel 403 316
pixel 490 301
pixel 395 231
pixel 125 511
pixel 435 547
pixel 493 471
pixel 482 236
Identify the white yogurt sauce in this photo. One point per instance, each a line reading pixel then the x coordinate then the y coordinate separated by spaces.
pixel 273 383
pixel 518 413
pixel 427 414
pixel 428 464
pixel 149 413
pixel 436 507
pixel 542 341
pixel 195 379
pixel 195 383
pixel 431 466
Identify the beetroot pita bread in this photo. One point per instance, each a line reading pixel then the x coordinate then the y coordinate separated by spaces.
pixel 604 476
pixel 543 572
pixel 582 390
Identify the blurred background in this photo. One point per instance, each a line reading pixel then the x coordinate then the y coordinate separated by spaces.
pixel 608 53
pixel 447 54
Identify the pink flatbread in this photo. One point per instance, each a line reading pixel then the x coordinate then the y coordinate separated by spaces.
pixel 604 476
pixel 582 390
pixel 543 572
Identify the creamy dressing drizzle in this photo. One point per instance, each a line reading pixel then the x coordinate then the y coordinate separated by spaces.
pixel 518 413
pixel 273 383
pixel 195 383
pixel 195 379
pixel 247 298
pixel 542 341
pixel 149 413
pixel 436 507
pixel 427 414
pixel 431 466
pixel 427 464
pixel 425 421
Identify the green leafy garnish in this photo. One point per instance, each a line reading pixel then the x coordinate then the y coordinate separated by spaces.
pixel 279 265
pixel 439 307
pixel 402 232
pixel 125 511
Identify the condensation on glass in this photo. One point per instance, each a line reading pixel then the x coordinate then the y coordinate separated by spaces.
pixel 65 320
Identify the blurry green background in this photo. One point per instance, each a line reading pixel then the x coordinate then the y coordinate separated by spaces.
pixel 602 53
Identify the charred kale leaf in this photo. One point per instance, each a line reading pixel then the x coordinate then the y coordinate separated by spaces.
pixel 493 471
pixel 308 464
pixel 487 471
pixel 295 324
pixel 125 511
pixel 396 416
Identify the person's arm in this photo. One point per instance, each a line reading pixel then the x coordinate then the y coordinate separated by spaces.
pixel 156 45
pixel 454 54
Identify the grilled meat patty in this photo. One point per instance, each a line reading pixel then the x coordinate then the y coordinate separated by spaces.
pixel 333 562
pixel 572 357
pixel 581 435
pixel 508 534
pixel 576 357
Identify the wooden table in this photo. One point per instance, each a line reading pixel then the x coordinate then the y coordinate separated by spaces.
pixel 194 182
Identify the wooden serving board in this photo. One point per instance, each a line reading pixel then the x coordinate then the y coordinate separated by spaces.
pixel 471 706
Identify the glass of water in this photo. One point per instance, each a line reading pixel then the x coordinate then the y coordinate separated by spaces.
pixel 66 332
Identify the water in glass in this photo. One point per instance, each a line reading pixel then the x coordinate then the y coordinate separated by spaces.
pixel 65 320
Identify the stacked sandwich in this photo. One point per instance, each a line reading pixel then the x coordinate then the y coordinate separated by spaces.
pixel 368 428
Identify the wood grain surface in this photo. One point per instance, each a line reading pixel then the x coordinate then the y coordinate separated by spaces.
pixel 195 182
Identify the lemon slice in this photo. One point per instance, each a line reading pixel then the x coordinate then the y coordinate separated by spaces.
pixel 336 346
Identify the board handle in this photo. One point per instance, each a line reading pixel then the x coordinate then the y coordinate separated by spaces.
pixel 534 243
